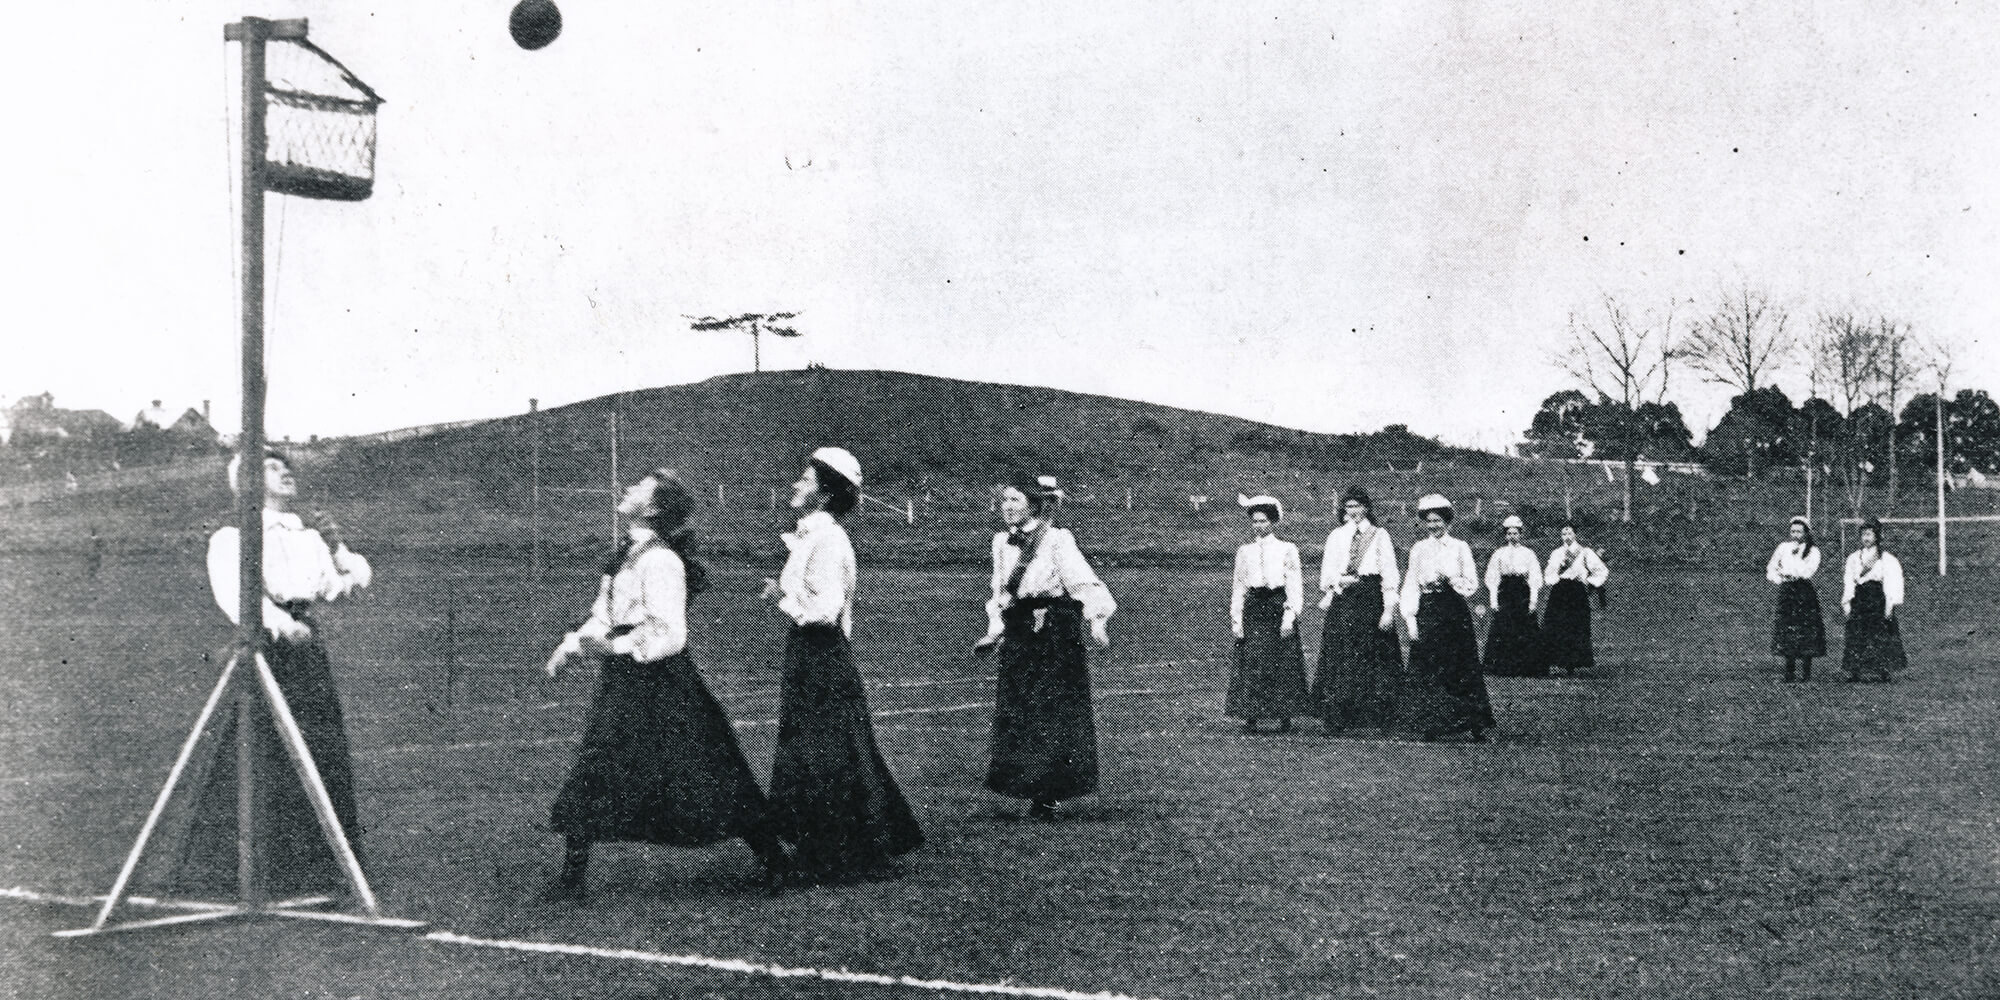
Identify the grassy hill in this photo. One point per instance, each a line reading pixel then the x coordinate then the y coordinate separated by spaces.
pixel 937 444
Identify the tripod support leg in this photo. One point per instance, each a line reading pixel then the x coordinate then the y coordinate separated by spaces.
pixel 166 792
pixel 302 762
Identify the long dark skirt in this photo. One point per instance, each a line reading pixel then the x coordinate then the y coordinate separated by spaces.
pixel 1799 630
pixel 1566 627
pixel 293 857
pixel 1044 733
pixel 832 794
pixel 659 762
pixel 1513 644
pixel 1447 693
pixel 1360 665
pixel 1874 643
pixel 1269 679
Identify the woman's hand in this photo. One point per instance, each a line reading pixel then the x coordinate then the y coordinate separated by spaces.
pixel 1288 625
pixel 987 644
pixel 1099 633
pixel 1388 621
pixel 559 660
pixel 771 589
pixel 290 630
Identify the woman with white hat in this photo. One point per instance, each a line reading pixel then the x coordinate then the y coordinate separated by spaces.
pixel 1447 693
pixel 831 792
pixel 1798 631
pixel 1044 597
pixel 1513 580
pixel 1360 672
pixel 1871 591
pixel 659 762
pixel 1574 570
pixel 1266 594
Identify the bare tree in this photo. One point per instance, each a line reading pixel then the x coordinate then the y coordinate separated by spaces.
pixel 1625 359
pixel 755 324
pixel 1897 370
pixel 1846 356
pixel 1741 341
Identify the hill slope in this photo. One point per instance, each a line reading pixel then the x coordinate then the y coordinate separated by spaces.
pixel 935 445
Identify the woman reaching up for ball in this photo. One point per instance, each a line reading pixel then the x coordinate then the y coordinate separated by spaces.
pixel 659 762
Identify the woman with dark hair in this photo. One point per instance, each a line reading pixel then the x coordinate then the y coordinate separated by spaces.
pixel 1574 571
pixel 1447 693
pixel 832 795
pixel 1360 671
pixel 1798 633
pixel 1513 579
pixel 659 762
pixel 1043 594
pixel 1871 591
pixel 306 562
pixel 1266 594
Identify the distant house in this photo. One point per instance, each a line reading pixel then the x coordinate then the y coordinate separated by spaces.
pixel 37 418
pixel 193 428
pixel 155 415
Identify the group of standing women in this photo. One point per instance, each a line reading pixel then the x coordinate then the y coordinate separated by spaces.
pixel 659 761
pixel 1517 645
pixel 1871 592
pixel 1362 681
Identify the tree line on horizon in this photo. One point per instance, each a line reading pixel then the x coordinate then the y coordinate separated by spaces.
pixel 1871 408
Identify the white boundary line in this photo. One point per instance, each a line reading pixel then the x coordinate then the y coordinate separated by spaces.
pixel 735 965
pixel 743 967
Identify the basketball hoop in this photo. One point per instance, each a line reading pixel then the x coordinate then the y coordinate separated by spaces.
pixel 320 125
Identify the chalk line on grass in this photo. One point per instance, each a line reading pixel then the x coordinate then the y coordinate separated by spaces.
pixel 744 967
pixel 735 965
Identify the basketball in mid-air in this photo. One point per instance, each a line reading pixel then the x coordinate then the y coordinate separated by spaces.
pixel 534 23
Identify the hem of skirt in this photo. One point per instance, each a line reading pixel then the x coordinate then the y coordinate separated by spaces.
pixel 1044 795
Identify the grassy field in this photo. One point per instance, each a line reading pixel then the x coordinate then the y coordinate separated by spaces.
pixel 1678 825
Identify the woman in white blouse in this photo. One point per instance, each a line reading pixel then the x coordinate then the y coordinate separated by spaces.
pixel 305 563
pixel 659 762
pixel 1266 594
pixel 1871 591
pixel 1513 580
pixel 1044 598
pixel 1447 693
pixel 1798 632
pixel 1574 571
pixel 1360 672
pixel 832 794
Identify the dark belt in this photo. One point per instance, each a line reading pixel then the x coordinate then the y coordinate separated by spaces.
pixel 1263 591
pixel 1040 603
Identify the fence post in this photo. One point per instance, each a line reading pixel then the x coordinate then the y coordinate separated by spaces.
pixel 450 635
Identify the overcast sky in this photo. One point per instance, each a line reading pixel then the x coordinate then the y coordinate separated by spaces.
pixel 1326 215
